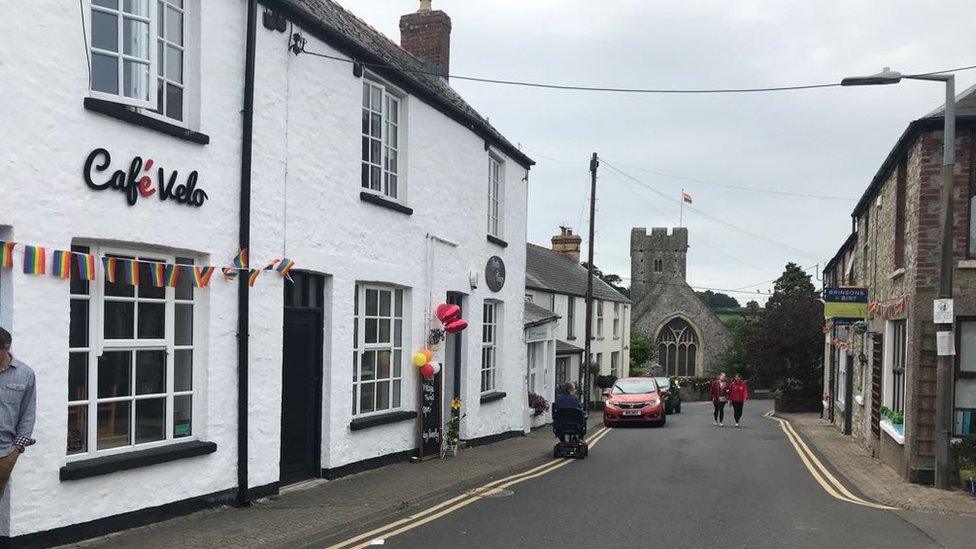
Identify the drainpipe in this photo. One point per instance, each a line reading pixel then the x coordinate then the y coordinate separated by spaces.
pixel 243 303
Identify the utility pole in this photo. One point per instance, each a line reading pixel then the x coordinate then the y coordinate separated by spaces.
pixel 587 354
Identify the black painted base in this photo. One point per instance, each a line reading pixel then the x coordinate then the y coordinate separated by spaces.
pixel 491 439
pixel 368 464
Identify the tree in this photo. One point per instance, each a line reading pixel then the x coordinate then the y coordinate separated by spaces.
pixel 614 281
pixel 752 305
pixel 785 343
pixel 642 353
pixel 718 300
pixel 734 359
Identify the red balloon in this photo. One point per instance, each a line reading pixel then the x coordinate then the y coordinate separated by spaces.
pixel 456 326
pixel 427 370
pixel 446 313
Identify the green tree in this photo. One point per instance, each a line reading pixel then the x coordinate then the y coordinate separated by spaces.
pixel 642 354
pixel 718 300
pixel 734 359
pixel 614 281
pixel 785 342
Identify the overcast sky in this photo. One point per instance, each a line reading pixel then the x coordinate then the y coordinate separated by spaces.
pixel 824 142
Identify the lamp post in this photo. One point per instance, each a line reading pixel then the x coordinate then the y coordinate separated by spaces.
pixel 944 371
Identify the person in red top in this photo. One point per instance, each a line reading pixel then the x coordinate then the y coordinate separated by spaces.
pixel 738 395
pixel 718 392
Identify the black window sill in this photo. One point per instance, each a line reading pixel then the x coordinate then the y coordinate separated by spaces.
pixel 571 338
pixel 493 396
pixel 384 203
pixel 133 460
pixel 127 114
pixel 380 419
pixel 495 240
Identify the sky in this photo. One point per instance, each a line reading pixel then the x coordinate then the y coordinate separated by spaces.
pixel 827 142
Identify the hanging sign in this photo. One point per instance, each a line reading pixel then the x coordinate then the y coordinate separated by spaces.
pixel 138 182
pixel 945 343
pixel 495 273
pixel 845 302
pixel 431 426
pixel 942 311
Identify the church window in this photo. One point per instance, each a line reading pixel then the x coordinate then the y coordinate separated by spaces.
pixel 658 266
pixel 678 348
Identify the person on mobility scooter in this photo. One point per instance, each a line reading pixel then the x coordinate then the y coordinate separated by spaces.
pixel 569 424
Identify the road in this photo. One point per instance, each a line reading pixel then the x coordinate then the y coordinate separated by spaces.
pixel 689 484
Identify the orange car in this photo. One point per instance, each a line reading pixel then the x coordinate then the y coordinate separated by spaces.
pixel 634 400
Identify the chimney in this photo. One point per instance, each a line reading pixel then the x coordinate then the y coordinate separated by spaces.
pixel 567 243
pixel 426 35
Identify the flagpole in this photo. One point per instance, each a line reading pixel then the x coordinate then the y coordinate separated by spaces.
pixel 681 209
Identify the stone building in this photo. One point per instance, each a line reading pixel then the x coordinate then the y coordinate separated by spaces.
pixel 688 335
pixel 888 361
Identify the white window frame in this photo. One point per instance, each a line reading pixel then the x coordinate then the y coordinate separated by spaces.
pixel 120 97
pixel 842 375
pixel 158 112
pixel 599 318
pixel 615 363
pixel 599 363
pixel 394 346
pixel 888 387
pixel 532 369
pixel 489 346
pixel 98 345
pixel 496 192
pixel 389 96
pixel 570 317
pixel 616 320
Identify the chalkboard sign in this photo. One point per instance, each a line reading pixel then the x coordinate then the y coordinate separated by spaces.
pixel 431 424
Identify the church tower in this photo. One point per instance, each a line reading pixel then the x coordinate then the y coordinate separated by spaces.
pixel 656 257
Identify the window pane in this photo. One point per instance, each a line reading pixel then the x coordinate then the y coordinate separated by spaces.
pixel 152 320
pixel 113 424
pixel 183 370
pixel 397 332
pixel 370 335
pixel 119 320
pixel 366 398
pixel 372 300
pixel 174 64
pixel 184 324
pixel 967 347
pixel 184 288
pixel 118 288
pixel 105 31
pixel 78 327
pixel 385 303
pixel 114 374
pixel 383 365
pixel 966 393
pixel 135 80
pixel 396 393
pixel 150 420
pixel 135 38
pixel 374 151
pixel 182 416
pixel 377 98
pixel 136 7
pixel 383 395
pixel 398 307
pixel 397 361
pixel 105 73
pixel 77 429
pixel 77 376
pixel 384 331
pixel 150 372
pixel 174 26
pixel 147 289
pixel 368 371
pixel 112 4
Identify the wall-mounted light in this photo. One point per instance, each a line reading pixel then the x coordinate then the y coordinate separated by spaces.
pixel 473 277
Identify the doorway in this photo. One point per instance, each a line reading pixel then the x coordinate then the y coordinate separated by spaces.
pixel 453 358
pixel 301 372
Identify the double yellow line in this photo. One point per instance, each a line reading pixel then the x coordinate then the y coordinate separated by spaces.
pixel 446 507
pixel 818 470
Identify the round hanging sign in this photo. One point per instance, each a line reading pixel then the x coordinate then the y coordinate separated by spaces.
pixel 495 273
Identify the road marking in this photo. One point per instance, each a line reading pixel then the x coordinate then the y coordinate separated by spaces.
pixel 818 470
pixel 405 524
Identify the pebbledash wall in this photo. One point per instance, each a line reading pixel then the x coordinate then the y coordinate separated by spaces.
pixel 306 206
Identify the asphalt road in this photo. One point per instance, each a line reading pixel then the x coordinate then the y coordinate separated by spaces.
pixel 689 484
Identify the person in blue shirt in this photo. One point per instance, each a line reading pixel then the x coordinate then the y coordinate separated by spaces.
pixel 17 405
pixel 567 399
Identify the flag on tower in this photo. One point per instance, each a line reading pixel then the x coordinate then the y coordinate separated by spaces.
pixel 686 197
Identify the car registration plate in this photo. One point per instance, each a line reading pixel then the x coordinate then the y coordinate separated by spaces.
pixel 632 412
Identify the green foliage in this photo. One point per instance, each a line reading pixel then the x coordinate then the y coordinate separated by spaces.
pixel 734 359
pixel 964 450
pixel 642 353
pixel 716 300
pixel 614 281
pixel 896 418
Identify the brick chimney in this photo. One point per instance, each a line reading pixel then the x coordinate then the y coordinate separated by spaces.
pixel 567 243
pixel 426 35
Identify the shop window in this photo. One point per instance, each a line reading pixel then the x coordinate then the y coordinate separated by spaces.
pixel 131 357
pixel 489 346
pixel 964 416
pixel 495 182
pixel 138 54
pixel 896 354
pixel 378 350
pixel 381 136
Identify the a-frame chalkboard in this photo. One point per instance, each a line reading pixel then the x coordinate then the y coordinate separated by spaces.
pixel 431 416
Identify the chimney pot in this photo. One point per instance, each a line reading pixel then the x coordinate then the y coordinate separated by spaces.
pixel 567 243
pixel 426 34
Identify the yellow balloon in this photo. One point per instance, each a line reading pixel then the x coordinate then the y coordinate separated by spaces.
pixel 419 359
pixel 429 354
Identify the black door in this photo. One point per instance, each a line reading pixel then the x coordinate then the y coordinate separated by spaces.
pixel 301 389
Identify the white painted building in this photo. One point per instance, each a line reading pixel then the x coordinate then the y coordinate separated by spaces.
pixel 556 281
pixel 540 363
pixel 371 178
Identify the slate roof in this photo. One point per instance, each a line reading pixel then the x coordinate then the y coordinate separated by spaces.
pixel 551 271
pixel 536 315
pixel 563 348
pixel 340 28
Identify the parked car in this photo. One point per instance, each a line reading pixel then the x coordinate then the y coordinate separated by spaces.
pixel 668 389
pixel 634 400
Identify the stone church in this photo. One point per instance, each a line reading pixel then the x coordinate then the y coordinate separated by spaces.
pixel 666 310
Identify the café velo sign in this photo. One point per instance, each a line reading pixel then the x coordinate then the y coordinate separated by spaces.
pixel 845 302
pixel 138 182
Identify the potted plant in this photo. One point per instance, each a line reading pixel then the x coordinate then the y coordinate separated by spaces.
pixel 538 403
pixel 606 382
pixel 453 429
pixel 964 450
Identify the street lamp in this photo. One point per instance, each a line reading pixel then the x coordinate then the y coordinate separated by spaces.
pixel 944 374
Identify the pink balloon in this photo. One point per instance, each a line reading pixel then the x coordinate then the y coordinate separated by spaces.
pixel 446 313
pixel 437 367
pixel 456 326
pixel 427 371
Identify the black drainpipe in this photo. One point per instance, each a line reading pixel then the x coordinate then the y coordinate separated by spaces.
pixel 243 302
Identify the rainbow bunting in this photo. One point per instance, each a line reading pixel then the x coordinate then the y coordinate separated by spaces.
pixel 111 268
pixel 61 264
pixel 240 261
pixel 158 272
pixel 35 260
pixel 229 273
pixel 201 275
pixel 7 254
pixel 130 269
pixel 253 277
pixel 173 275
pixel 85 265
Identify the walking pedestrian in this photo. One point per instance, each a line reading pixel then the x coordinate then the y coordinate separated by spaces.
pixel 17 401
pixel 738 395
pixel 718 391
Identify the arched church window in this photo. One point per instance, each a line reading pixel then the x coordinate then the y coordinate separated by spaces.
pixel 657 265
pixel 677 347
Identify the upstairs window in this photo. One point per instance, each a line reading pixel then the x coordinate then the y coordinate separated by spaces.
pixel 381 140
pixel 900 184
pixel 170 53
pixel 494 195
pixel 571 317
pixel 616 320
pixel 599 319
